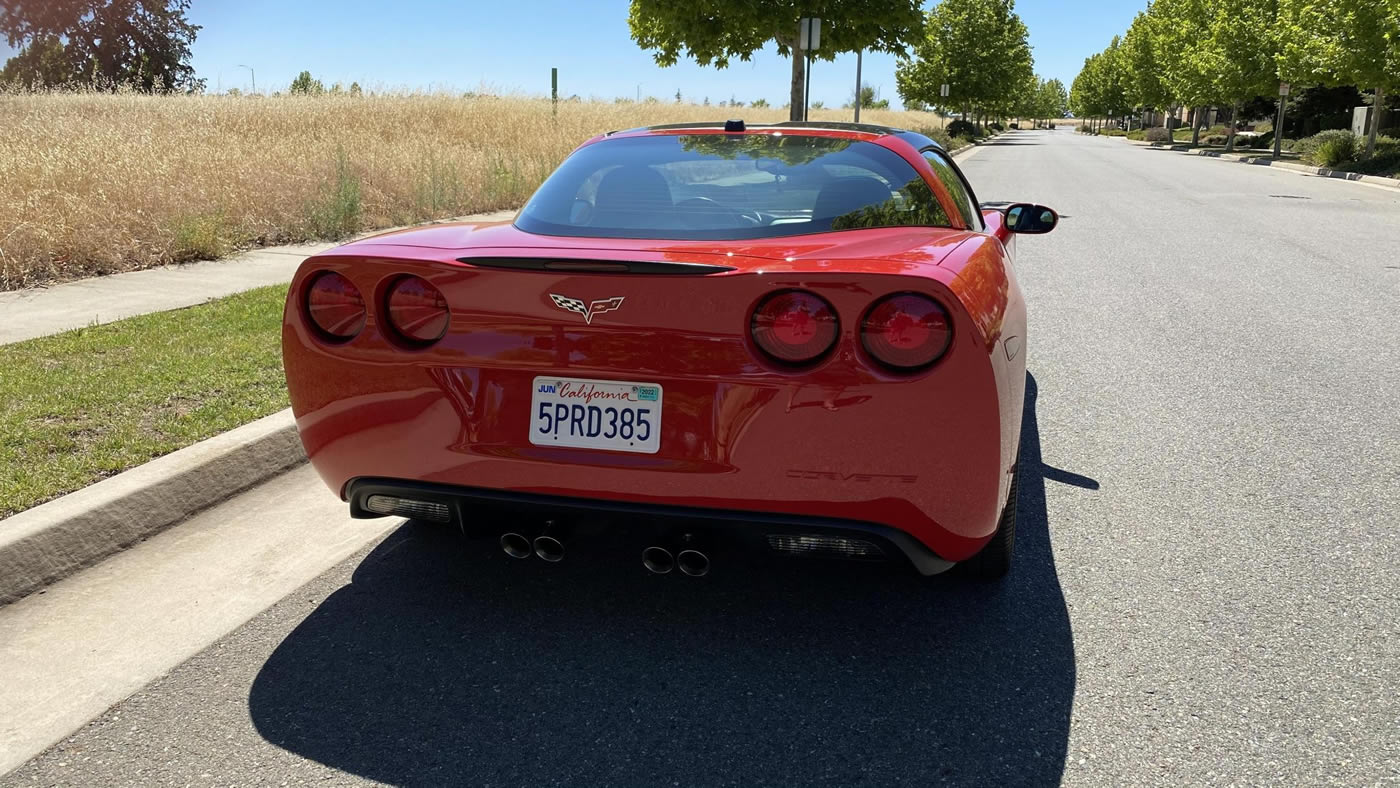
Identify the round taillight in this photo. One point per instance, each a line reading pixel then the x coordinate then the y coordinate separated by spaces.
pixel 794 327
pixel 417 310
pixel 907 331
pixel 334 306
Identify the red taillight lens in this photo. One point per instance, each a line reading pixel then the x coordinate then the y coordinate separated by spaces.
pixel 907 331
pixel 334 306
pixel 794 327
pixel 417 310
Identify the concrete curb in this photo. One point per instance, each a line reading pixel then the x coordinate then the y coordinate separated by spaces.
pixel 43 545
pixel 1265 160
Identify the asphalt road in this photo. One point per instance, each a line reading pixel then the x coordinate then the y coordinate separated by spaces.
pixel 1207 585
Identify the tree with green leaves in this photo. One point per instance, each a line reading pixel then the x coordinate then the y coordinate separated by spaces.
pixel 979 48
pixel 43 62
pixel 1241 51
pixel 714 32
pixel 1181 43
pixel 1147 90
pixel 1342 42
pixel 143 44
pixel 1085 95
pixel 869 98
pixel 1051 99
pixel 1101 89
pixel 305 85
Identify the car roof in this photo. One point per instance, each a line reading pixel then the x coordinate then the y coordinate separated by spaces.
pixel 815 128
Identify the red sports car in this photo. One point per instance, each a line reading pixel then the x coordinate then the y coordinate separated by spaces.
pixel 804 338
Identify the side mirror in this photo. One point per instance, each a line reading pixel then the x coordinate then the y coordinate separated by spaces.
pixel 1024 217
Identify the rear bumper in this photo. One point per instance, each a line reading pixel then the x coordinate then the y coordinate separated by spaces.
pixel 927 454
pixel 754 530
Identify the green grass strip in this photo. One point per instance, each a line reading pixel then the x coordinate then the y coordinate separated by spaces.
pixel 80 406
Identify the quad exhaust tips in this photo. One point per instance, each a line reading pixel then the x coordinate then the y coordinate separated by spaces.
pixel 549 545
pixel 691 562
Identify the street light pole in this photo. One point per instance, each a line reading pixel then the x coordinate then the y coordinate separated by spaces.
pixel 253 74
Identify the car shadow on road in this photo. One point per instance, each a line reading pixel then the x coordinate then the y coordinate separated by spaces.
pixel 444 661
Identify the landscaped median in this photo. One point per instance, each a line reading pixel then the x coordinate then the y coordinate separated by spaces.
pixel 80 406
pixel 83 414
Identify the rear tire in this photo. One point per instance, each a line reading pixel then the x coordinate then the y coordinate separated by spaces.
pixel 994 561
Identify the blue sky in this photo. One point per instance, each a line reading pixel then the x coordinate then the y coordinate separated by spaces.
pixel 508 46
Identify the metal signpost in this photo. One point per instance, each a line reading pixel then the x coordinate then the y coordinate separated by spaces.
pixel 943 116
pixel 859 96
pixel 1283 88
pixel 809 40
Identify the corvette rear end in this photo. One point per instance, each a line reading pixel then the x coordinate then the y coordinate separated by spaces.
pixel 852 394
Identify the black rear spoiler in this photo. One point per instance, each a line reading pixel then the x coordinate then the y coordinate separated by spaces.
pixel 594 266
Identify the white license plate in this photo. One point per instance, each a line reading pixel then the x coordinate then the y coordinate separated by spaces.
pixel 596 414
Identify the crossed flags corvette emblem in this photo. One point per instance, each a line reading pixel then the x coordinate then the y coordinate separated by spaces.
pixel 588 310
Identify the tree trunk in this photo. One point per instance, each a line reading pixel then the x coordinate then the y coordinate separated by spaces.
pixel 1377 108
pixel 1234 121
pixel 795 97
pixel 1196 126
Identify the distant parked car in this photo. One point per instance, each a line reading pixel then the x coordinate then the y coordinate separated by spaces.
pixel 806 339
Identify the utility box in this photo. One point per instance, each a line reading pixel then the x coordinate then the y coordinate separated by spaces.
pixel 1361 121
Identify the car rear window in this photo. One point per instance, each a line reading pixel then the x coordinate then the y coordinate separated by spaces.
pixel 729 187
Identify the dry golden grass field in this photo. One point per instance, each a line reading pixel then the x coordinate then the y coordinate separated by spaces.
pixel 99 183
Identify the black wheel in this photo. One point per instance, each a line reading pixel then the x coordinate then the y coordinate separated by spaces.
pixel 995 559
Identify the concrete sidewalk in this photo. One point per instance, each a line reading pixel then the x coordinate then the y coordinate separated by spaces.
pixel 1263 158
pixel 25 314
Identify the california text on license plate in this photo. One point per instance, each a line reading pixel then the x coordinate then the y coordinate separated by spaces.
pixel 596 414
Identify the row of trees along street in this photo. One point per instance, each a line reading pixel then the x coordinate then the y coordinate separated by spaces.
pixel 979 50
pixel 977 47
pixel 1235 53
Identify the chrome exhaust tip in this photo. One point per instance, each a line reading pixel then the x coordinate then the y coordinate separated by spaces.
pixel 658 560
pixel 549 549
pixel 693 563
pixel 515 545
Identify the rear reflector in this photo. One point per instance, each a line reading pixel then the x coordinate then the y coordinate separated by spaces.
pixel 794 327
pixel 334 306
pixel 407 507
pixel 825 546
pixel 417 310
pixel 906 331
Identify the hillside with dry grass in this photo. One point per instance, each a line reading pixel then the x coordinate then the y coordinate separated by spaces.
pixel 96 183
